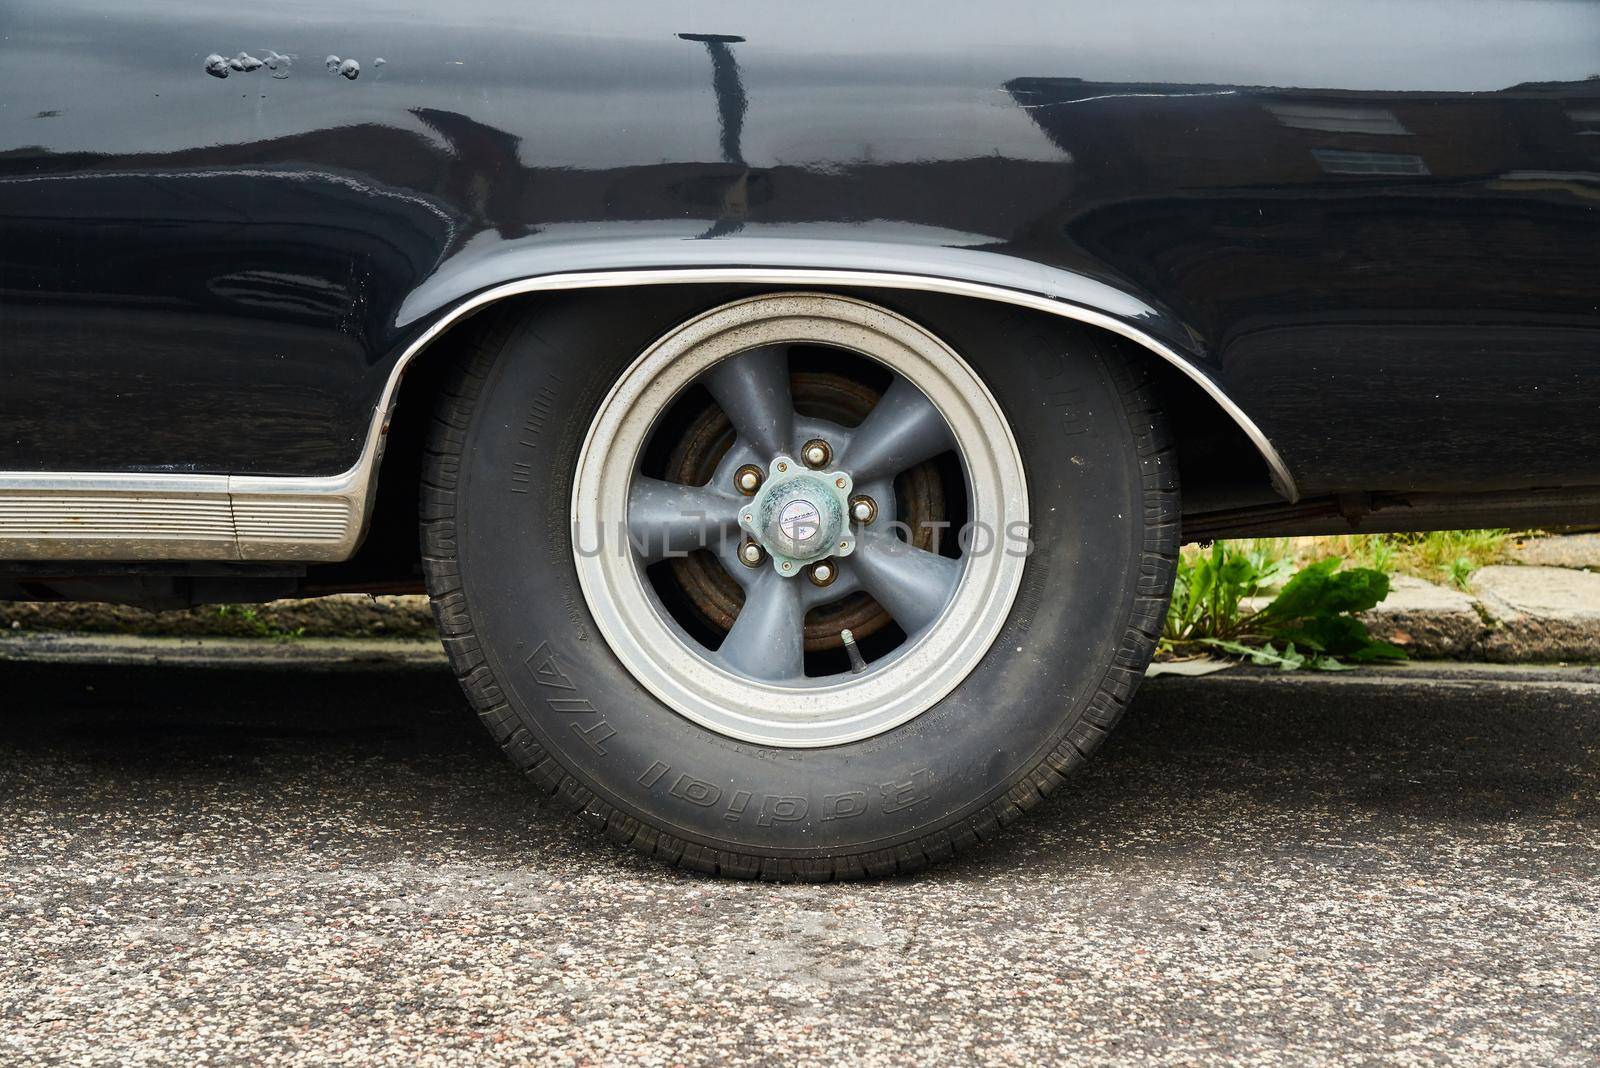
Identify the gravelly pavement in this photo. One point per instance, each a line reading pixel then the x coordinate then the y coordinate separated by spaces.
pixel 244 863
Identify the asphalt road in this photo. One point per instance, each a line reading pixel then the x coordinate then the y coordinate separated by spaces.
pixel 215 865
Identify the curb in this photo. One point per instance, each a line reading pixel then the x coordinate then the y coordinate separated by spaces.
pixel 343 615
pixel 1508 614
pixel 322 654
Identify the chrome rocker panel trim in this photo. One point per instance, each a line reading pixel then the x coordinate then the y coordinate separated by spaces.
pixel 148 517
pixel 137 517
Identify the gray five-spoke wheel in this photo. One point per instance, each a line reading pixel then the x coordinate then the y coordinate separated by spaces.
pixel 800 512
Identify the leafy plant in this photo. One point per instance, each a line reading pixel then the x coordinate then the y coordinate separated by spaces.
pixel 1312 622
pixel 262 628
pixel 1268 656
pixel 1211 587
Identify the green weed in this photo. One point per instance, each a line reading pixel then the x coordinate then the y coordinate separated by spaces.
pixel 1311 622
pixel 261 627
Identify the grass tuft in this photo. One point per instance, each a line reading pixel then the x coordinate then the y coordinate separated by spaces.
pixel 1440 556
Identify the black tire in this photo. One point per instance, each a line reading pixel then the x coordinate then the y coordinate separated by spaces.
pixel 1102 479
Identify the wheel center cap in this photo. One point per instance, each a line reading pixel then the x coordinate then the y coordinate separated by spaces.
pixel 800 519
pixel 800 516
pixel 799 523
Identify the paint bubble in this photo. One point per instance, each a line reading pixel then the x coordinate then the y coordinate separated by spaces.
pixel 245 61
pixel 332 63
pixel 350 69
pixel 216 66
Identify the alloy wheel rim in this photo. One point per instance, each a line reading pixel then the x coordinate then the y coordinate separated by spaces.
pixel 754 685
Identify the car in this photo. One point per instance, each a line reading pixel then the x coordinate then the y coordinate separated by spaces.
pixel 793 413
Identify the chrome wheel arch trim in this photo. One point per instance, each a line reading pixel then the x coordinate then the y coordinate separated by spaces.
pixel 147 517
pixel 1282 479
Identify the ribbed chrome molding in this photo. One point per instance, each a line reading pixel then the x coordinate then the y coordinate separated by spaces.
pixel 85 516
pixel 95 516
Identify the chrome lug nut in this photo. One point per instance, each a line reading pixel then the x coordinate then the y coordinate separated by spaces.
pixel 823 573
pixel 748 479
pixel 751 554
pixel 863 509
pixel 816 453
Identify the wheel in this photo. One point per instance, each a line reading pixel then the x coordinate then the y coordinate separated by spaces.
pixel 795 585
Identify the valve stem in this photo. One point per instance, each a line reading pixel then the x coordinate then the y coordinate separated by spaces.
pixel 857 665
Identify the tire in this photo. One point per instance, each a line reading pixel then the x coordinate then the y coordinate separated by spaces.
pixel 506 446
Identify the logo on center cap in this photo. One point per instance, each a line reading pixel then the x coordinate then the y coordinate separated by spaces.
pixel 800 520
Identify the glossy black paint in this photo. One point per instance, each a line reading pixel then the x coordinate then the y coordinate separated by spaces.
pixel 1375 223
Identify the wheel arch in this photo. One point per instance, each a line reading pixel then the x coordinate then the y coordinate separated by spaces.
pixel 459 291
pixel 1174 352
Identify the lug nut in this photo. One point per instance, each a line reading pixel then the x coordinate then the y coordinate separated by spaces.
pixel 748 479
pixel 751 554
pixel 863 509
pixel 823 573
pixel 816 453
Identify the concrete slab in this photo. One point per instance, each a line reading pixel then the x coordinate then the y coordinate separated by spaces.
pixel 1539 613
pixel 1427 620
pixel 1569 550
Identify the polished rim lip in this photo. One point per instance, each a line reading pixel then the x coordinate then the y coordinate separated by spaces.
pixel 657 653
